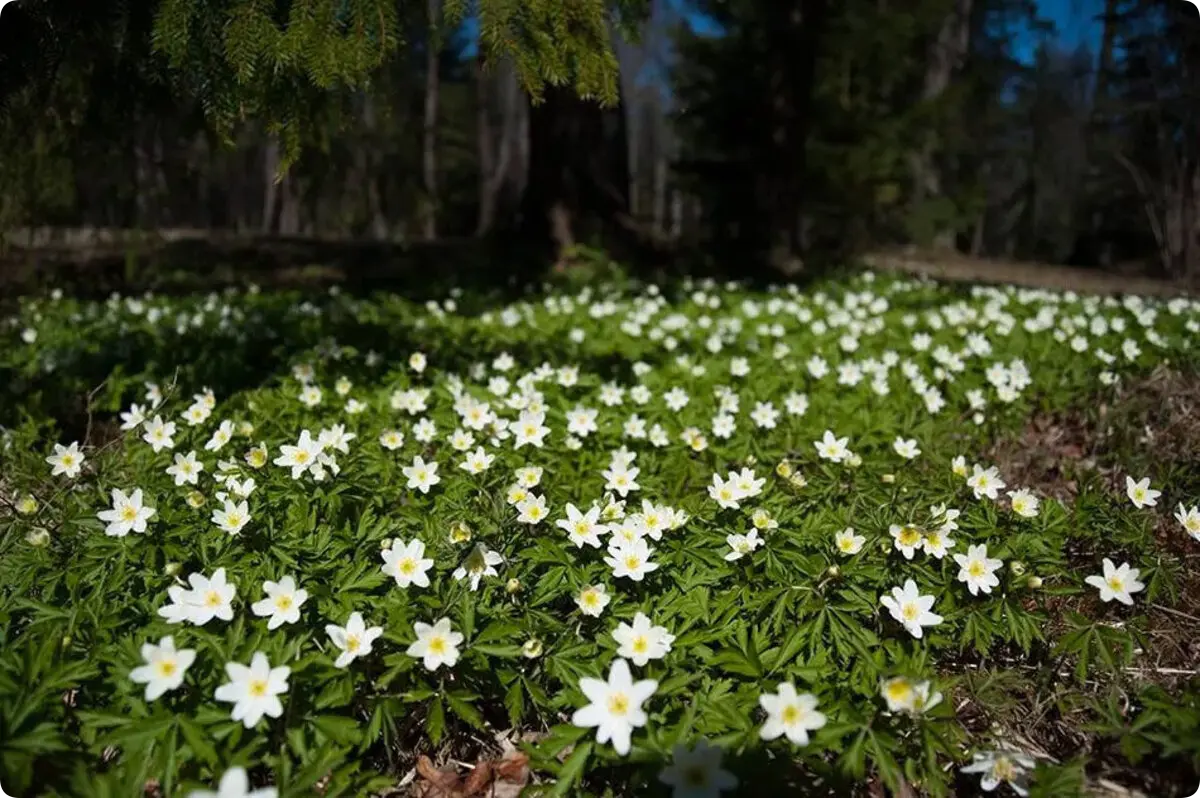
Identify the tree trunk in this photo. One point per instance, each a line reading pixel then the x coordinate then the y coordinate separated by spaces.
pixel 429 141
pixel 495 159
pixel 797 31
pixel 660 191
pixel 944 58
pixel 270 179
pixel 578 172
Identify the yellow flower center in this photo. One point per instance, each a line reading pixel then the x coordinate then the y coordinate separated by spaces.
pixel 437 645
pixel 352 643
pixel 213 599
pixel 909 536
pixel 407 566
pixel 975 569
pixel 899 691
pixel 301 456
pixel 633 562
pixel 166 668
pixel 640 645
pixel 257 688
pixel 1115 583
pixel 618 704
pixel 910 611
pixel 695 776
pixel 284 603
pixel 792 714
pixel 128 513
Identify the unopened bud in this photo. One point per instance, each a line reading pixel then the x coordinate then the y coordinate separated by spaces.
pixel 532 648
pixel 38 537
pixel 1033 582
pixel 1017 567
pixel 513 586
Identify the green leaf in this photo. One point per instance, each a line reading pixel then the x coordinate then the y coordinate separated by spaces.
pixel 465 710
pixel 340 729
pixel 435 720
pixel 197 739
pixel 571 770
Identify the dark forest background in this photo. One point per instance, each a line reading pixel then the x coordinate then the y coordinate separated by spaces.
pixel 758 132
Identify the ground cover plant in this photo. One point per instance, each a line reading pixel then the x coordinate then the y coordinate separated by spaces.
pixel 598 541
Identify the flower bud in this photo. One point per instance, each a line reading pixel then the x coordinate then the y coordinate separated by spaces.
pixel 195 499
pixel 532 648
pixel 38 537
pixel 854 461
pixel 27 505
pixel 171 568
pixel 513 586
pixel 888 478
pixel 1017 567
pixel 1033 582
pixel 833 572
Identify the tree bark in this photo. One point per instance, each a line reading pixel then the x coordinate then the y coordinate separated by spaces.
pixel 578 172
pixel 945 56
pixel 271 184
pixel 495 159
pixel 429 140
pixel 797 31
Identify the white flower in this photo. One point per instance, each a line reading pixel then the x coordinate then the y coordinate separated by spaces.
pixel 642 641
pixel 742 545
pixel 959 466
pixel 301 457
pixel 622 479
pixel 985 482
pixel 1189 519
pixel 790 714
pixel 905 695
pixel 128 514
pixel 354 639
pixel 907 539
pixel 407 563
pixel 480 562
pixel 282 603
pixel 1024 503
pixel 477 461
pixel 1117 583
pixel 592 600
pixel 235 784
pixel 67 460
pixel 186 469
pixel 530 429
pixel 133 417
pixel 697 772
pixel 978 570
pixel 221 436
pixel 1140 492
pixel 210 598
pixel 421 475
pixel 164 669
pixel 583 528
pixel 831 447
pixel 159 434
pixel 935 542
pixel 910 608
pixel 436 645
pixel 1000 767
pixel 254 690
pixel 906 448
pixel 631 559
pixel 847 542
pixel 391 439
pixel 232 518
pixel 532 510
pixel 615 706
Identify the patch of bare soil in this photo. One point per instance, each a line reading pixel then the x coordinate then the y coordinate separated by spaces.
pixel 957 267
pixel 1151 426
pixel 1153 420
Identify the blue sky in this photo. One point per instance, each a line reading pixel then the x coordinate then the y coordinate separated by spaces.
pixel 1075 22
